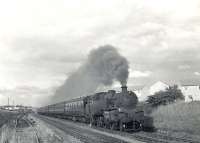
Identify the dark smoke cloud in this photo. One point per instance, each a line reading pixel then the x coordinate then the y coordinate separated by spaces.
pixel 103 66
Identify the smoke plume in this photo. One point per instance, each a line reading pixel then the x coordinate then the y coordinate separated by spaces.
pixel 103 66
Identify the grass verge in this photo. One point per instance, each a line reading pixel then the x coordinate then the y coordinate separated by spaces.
pixel 180 116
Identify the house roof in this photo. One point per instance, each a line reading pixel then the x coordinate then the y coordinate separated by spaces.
pixel 160 83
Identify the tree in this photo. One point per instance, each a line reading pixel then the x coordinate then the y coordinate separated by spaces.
pixel 171 95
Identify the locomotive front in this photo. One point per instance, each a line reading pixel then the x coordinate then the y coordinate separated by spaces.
pixel 115 110
pixel 124 116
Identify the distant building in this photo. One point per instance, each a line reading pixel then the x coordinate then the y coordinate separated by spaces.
pixel 16 108
pixel 158 86
pixel 191 92
pixel 144 91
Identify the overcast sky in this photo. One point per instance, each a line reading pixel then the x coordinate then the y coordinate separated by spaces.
pixel 43 41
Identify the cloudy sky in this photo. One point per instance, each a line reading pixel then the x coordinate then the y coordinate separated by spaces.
pixel 43 41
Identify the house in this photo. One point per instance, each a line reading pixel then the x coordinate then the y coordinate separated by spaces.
pixel 190 91
pixel 144 91
pixel 158 86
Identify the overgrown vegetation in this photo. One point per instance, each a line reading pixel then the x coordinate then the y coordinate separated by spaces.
pixel 170 95
pixel 5 116
pixel 179 116
pixel 5 131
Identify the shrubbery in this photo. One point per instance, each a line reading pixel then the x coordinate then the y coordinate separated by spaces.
pixel 171 95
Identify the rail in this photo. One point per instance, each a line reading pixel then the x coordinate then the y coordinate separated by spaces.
pixel 34 130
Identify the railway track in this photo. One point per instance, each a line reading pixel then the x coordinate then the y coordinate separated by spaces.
pixel 154 137
pixel 85 136
pixel 37 139
pixel 22 122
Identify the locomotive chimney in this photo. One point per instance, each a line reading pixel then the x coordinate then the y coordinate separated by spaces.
pixel 124 89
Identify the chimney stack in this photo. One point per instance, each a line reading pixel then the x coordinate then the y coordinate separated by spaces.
pixel 124 89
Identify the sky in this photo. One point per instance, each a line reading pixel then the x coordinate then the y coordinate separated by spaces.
pixel 43 41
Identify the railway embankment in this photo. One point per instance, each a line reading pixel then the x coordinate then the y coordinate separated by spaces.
pixel 180 119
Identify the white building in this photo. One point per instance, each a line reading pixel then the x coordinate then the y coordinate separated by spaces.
pixel 144 91
pixel 158 86
pixel 191 92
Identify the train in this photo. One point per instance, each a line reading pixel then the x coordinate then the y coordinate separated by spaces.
pixel 111 109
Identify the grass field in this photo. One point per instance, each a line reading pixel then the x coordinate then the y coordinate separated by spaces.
pixel 179 116
pixel 6 115
pixel 5 131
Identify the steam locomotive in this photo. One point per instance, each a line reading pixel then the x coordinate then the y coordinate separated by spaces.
pixel 116 111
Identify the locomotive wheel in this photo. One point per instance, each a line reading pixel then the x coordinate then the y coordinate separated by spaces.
pixel 137 125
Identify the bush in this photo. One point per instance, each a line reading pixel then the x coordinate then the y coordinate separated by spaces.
pixel 5 116
pixel 171 95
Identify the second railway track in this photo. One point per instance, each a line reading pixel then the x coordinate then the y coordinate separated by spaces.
pixel 37 139
pixel 83 135
pixel 23 122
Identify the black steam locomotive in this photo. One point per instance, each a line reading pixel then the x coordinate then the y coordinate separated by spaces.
pixel 116 111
